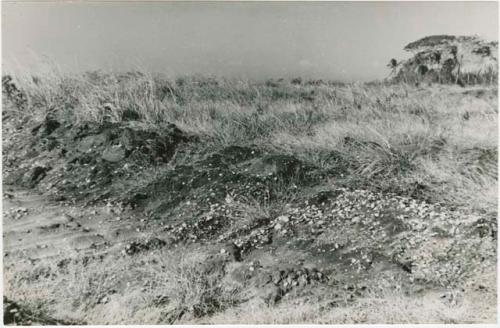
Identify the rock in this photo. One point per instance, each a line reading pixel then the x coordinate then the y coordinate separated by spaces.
pixel 284 218
pixel 89 142
pixel 114 154
pixel 281 166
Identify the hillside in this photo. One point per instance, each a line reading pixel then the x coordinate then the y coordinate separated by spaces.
pixel 449 59
pixel 131 198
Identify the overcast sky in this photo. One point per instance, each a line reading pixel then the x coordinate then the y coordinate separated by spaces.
pixel 334 40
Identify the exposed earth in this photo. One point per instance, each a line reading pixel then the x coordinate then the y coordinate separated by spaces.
pixel 347 245
pixel 120 222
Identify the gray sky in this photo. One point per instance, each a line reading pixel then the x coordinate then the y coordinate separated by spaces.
pixel 335 40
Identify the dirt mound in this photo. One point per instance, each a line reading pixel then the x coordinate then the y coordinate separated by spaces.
pixel 126 163
pixel 187 191
pixel 79 161
pixel 351 231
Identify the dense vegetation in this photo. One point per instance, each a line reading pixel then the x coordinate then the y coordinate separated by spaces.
pixel 448 59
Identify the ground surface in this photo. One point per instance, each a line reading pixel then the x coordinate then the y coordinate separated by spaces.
pixel 95 257
pixel 284 204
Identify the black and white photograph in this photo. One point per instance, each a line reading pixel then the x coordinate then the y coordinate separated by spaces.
pixel 249 162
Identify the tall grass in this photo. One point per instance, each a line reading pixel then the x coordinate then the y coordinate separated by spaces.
pixel 385 132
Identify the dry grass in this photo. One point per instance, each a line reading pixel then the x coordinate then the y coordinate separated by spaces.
pixel 431 135
pixel 166 287
pixel 160 287
pixel 387 309
pixel 392 137
pixel 384 307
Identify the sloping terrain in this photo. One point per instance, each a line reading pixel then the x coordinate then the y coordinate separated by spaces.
pixel 205 201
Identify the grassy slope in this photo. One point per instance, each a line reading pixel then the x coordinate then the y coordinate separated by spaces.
pixel 436 143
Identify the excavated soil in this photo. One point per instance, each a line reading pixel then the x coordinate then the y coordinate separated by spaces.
pixel 80 194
